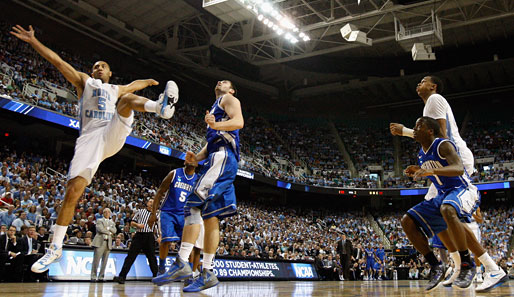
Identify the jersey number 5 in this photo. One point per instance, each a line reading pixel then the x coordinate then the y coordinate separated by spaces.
pixel 183 196
pixel 101 103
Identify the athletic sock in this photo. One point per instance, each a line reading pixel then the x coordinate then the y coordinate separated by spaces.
pixel 151 106
pixel 431 259
pixel 208 261
pixel 488 263
pixel 185 250
pixel 456 259
pixel 59 233
pixel 465 258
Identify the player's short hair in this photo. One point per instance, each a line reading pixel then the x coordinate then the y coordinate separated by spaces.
pixel 233 87
pixel 432 124
pixel 437 81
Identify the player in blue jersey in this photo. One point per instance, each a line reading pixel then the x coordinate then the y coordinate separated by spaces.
pixel 178 184
pixel 213 196
pixel 370 263
pixel 457 199
pixel 379 261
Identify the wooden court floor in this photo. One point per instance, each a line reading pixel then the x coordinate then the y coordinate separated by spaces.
pixel 243 289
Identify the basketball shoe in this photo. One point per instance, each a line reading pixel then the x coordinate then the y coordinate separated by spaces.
pixel 167 100
pixel 205 281
pixel 53 254
pixel 178 271
pixel 492 280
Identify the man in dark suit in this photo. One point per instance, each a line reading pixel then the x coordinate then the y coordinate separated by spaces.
pixel 10 252
pixel 29 247
pixel 345 250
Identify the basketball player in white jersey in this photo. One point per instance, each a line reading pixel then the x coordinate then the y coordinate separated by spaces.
pixel 104 126
pixel 438 108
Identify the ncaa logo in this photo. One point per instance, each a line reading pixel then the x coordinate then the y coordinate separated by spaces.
pixel 74 124
pixel 164 150
pixel 303 270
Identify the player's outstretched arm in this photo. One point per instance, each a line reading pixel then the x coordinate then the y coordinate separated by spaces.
pixel 136 86
pixel 78 79
pixel 165 184
pixel 454 168
pixel 232 107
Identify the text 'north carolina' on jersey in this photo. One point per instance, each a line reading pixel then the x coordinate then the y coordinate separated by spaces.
pixel 432 160
pixel 180 188
pixel 97 104
pixel 217 139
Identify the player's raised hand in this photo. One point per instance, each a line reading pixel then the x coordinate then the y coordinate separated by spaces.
pixel 411 170
pixel 27 36
pixel 396 129
pixel 152 82
pixel 210 119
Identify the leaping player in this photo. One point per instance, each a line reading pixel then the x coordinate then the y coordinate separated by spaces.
pixel 104 126
pixel 457 199
pixel 438 108
pixel 213 197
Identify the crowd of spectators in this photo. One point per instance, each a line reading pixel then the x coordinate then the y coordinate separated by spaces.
pixel 31 199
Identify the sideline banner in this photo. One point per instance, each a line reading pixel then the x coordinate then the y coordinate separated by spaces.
pixel 76 264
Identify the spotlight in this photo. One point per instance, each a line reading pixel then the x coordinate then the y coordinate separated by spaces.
pixel 260 17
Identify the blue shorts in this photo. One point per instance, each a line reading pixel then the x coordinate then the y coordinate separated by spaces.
pixel 370 264
pixel 172 225
pixel 214 192
pixel 377 266
pixel 437 243
pixel 427 214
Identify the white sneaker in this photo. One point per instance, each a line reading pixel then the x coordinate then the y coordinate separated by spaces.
pixel 167 100
pixel 449 280
pixel 53 254
pixel 492 280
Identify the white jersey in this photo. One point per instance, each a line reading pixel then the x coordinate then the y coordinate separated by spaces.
pixel 97 104
pixel 438 108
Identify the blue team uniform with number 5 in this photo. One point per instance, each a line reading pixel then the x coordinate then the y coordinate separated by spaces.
pixel 172 207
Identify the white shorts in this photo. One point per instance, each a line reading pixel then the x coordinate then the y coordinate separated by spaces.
pixel 467 160
pixel 92 147
pixel 199 240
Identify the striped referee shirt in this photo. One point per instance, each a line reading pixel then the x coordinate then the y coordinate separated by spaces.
pixel 141 217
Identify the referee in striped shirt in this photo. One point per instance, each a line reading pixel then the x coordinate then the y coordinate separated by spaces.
pixel 144 240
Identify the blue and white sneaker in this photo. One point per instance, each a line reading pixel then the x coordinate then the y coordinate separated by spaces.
pixel 178 271
pixel 53 254
pixel 492 280
pixel 167 100
pixel 205 281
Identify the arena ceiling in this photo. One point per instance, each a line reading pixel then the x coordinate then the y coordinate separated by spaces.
pixel 181 34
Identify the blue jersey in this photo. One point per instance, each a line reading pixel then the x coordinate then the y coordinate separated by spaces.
pixel 369 254
pixel 431 160
pixel 180 188
pixel 216 138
